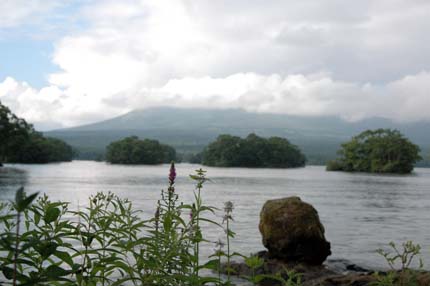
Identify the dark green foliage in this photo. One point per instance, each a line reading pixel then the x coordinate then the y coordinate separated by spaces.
pixel 132 150
pixel 253 151
pixel 20 143
pixel 106 243
pixel 14 132
pixel 39 149
pixel 377 151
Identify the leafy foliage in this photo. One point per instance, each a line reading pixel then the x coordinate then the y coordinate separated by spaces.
pixel 400 262
pixel 377 151
pixel 14 131
pixel 106 243
pixel 132 150
pixel 253 151
pixel 20 143
pixel 39 149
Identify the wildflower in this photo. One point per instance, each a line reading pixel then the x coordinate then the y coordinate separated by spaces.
pixel 226 218
pixel 228 207
pixel 157 218
pixel 157 213
pixel 172 174
pixel 219 244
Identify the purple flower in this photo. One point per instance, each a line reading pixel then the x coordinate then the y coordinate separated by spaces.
pixel 172 174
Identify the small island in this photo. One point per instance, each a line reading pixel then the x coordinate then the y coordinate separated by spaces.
pixel 377 151
pixel 252 151
pixel 20 143
pixel 132 150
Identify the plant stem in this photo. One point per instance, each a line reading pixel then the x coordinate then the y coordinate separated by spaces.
pixel 228 250
pixel 18 220
pixel 198 229
pixel 219 269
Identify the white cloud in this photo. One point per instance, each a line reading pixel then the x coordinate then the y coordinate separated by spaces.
pixel 17 12
pixel 51 107
pixel 351 59
pixel 405 99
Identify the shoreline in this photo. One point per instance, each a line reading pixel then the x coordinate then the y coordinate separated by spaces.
pixel 334 272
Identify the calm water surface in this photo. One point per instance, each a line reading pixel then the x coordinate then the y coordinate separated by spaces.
pixel 360 212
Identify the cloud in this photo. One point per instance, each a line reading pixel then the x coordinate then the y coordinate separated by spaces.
pixel 51 107
pixel 150 42
pixel 406 99
pixel 17 12
pixel 350 59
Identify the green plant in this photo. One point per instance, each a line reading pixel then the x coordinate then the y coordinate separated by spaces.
pixel 293 278
pixel 254 262
pixel 107 242
pixel 228 210
pixel 377 151
pixel 399 260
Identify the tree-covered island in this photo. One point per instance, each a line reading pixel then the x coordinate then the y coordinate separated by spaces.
pixel 132 150
pixel 20 143
pixel 252 151
pixel 377 151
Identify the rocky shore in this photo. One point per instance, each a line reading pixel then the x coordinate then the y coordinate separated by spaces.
pixel 294 238
pixel 316 275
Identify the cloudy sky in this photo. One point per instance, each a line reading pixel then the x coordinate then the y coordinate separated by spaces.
pixel 69 62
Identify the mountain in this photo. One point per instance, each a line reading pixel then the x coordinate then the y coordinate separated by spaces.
pixel 189 130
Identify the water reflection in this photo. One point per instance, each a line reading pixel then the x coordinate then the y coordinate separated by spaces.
pixel 11 179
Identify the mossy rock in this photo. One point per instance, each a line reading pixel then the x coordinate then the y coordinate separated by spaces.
pixel 292 231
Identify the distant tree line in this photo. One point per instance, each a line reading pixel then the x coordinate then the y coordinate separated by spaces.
pixel 252 151
pixel 20 143
pixel 225 151
pixel 132 150
pixel 377 151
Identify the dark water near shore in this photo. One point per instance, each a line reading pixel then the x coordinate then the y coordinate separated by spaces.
pixel 361 212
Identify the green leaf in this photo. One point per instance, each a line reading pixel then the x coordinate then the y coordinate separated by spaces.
pixel 51 214
pixel 206 280
pixel 65 257
pixel 28 200
pixel 54 272
pixel 21 201
pixel 254 262
pixel 7 272
pixel 46 248
pixel 36 218
pixel 211 264
pixel 19 196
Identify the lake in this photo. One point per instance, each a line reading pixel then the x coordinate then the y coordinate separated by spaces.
pixel 360 212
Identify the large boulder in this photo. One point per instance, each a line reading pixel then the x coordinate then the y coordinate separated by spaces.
pixel 292 231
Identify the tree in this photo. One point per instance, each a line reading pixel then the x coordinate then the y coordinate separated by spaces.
pixel 13 132
pixel 377 151
pixel 252 151
pixel 132 150
pixel 20 143
pixel 40 149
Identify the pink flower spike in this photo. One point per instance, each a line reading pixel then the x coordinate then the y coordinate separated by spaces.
pixel 172 173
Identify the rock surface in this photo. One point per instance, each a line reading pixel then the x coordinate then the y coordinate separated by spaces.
pixel 313 275
pixel 292 231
